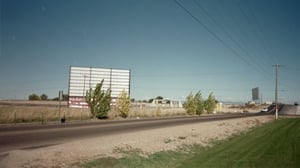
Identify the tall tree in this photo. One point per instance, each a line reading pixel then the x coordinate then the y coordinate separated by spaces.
pixel 99 101
pixel 123 104
pixel 44 97
pixel 159 98
pixel 34 97
pixel 199 103
pixel 210 103
pixel 189 104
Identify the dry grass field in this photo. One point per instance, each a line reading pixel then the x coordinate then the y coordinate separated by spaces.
pixel 38 111
pixel 48 111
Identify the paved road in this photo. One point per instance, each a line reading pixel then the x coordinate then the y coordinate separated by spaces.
pixel 30 136
pixel 284 109
pixel 289 110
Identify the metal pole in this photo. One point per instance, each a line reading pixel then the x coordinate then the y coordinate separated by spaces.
pixel 15 117
pixel 59 106
pixel 84 91
pixel 276 91
pixel 60 97
pixel 84 76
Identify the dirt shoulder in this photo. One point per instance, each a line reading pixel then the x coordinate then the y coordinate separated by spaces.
pixel 147 141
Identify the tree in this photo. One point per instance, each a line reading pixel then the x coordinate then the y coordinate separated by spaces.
pixel 123 104
pixel 210 103
pixel 44 97
pixel 189 104
pixel 34 97
pixel 64 98
pixel 99 101
pixel 150 100
pixel 159 98
pixel 199 103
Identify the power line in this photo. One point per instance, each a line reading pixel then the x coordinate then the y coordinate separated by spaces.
pixel 262 35
pixel 245 34
pixel 248 19
pixel 291 69
pixel 217 37
pixel 212 33
pixel 229 35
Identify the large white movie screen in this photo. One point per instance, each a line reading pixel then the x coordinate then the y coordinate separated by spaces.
pixel 83 78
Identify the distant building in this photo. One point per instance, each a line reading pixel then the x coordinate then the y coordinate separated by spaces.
pixel 251 102
pixel 219 107
pixel 268 102
pixel 166 103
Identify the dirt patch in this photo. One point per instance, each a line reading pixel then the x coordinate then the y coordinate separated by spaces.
pixel 141 142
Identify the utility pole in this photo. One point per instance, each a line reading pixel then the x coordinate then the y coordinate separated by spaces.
pixel 276 90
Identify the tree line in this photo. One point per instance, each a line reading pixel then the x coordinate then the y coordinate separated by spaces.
pixel 99 102
pixel 44 97
pixel 194 104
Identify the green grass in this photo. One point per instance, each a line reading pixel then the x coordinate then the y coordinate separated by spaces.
pixel 276 144
pixel 159 159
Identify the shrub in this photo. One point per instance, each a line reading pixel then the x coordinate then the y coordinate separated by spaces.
pixel 196 104
pixel 99 101
pixel 123 104
pixel 189 105
pixel 210 103
pixel 199 103
pixel 34 97
pixel 44 97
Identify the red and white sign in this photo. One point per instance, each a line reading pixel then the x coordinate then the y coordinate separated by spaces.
pixel 81 79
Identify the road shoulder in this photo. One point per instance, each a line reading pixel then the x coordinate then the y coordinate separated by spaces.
pixel 147 141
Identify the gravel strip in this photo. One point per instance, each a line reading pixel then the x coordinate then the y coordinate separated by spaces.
pixel 146 142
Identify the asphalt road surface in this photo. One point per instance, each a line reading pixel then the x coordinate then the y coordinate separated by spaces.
pixel 38 136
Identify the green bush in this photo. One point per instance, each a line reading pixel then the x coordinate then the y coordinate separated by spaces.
pixel 99 101
pixel 34 97
pixel 196 104
pixel 189 105
pixel 199 103
pixel 44 97
pixel 123 104
pixel 210 103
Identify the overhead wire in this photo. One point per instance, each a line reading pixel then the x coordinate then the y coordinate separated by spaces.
pixel 258 29
pixel 267 72
pixel 229 36
pixel 212 33
pixel 241 31
pixel 267 48
pixel 261 64
pixel 263 40
pixel 217 37
pixel 291 87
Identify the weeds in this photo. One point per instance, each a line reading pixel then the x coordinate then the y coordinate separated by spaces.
pixel 168 140
pixel 127 150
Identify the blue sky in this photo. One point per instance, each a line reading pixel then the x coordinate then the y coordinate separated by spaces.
pixel 222 46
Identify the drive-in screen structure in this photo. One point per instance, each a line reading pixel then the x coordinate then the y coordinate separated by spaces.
pixel 81 79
